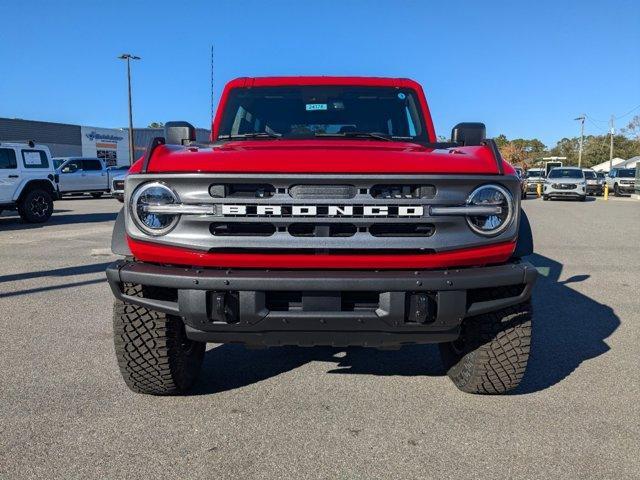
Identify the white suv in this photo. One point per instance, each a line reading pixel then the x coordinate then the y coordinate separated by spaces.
pixel 565 182
pixel 27 180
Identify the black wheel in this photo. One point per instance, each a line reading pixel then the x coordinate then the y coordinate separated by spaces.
pixel 583 198
pixel 96 194
pixel 154 354
pixel 36 206
pixel 616 190
pixel 491 355
pixel 545 197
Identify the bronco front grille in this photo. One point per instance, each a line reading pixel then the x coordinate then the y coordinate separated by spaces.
pixel 322 213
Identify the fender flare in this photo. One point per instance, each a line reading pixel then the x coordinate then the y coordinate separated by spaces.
pixel 524 244
pixel 119 244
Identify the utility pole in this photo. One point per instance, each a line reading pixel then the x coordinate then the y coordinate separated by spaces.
pixel 611 146
pixel 128 57
pixel 211 101
pixel 581 118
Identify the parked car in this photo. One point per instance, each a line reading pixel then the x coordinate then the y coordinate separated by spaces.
pixel 84 175
pixel 595 185
pixel 27 181
pixel 523 181
pixel 622 181
pixel 117 187
pixel 535 176
pixel 565 182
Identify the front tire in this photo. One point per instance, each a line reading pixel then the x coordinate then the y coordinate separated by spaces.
pixel 36 206
pixel 96 194
pixel 545 197
pixel 154 355
pixel 491 355
pixel 616 190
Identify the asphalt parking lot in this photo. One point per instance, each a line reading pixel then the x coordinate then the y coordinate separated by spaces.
pixel 320 412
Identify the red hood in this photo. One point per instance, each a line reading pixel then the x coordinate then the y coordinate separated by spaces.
pixel 322 156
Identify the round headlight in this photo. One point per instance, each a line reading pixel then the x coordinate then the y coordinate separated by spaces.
pixel 142 202
pixel 491 196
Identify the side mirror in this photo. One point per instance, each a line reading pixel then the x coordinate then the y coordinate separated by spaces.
pixel 179 133
pixel 72 168
pixel 469 133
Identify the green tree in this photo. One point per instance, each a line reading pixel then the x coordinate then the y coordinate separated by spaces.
pixel 156 125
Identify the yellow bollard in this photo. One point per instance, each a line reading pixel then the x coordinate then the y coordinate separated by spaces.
pixel 606 191
pixel 539 190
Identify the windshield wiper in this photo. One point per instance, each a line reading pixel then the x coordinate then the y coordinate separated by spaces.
pixel 377 136
pixel 241 136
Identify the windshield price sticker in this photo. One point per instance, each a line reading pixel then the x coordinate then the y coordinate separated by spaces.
pixel 32 158
pixel 310 107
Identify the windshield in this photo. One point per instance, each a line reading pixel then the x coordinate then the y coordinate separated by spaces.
pixel 534 174
pixel 565 173
pixel 589 174
pixel 57 162
pixel 300 112
pixel 627 172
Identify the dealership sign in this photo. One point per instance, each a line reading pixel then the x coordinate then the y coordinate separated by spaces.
pixel 93 136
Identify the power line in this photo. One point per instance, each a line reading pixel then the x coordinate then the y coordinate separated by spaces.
pixel 629 112
pixel 618 117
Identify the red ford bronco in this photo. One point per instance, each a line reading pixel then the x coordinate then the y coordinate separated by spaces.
pixel 323 212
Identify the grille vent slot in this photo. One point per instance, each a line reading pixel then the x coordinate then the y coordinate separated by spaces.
pixel 242 190
pixel 235 229
pixel 403 191
pixel 322 191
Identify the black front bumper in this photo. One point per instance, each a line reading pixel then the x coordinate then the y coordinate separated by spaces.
pixel 423 306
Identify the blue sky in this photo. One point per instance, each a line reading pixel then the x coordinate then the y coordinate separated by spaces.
pixel 526 69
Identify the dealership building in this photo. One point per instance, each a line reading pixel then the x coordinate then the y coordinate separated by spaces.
pixel 65 140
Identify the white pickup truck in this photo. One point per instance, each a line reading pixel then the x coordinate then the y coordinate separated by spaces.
pixel 85 175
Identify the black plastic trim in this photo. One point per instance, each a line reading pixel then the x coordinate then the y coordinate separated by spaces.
pixel 157 141
pixel 385 326
pixel 119 244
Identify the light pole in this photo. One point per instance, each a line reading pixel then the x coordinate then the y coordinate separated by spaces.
pixel 128 57
pixel 581 118
pixel 613 131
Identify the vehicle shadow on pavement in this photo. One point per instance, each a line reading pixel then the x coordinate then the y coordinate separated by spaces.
pixel 16 223
pixel 568 327
pixel 55 273
pixel 227 367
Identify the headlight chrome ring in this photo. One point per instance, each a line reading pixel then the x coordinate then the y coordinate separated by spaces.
pixel 495 195
pixel 153 193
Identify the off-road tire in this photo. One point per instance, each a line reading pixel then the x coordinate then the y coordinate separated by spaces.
pixel 545 198
pixel 96 194
pixel 492 353
pixel 36 206
pixel 616 190
pixel 154 355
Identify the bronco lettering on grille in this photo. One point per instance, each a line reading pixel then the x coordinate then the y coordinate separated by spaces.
pixel 323 210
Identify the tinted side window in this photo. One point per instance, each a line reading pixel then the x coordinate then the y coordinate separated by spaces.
pixel 91 165
pixel 8 158
pixel 35 159
pixel 77 163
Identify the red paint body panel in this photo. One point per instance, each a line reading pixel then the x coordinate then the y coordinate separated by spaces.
pixel 322 156
pixel 492 254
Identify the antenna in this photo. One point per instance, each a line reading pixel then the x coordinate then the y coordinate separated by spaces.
pixel 211 101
